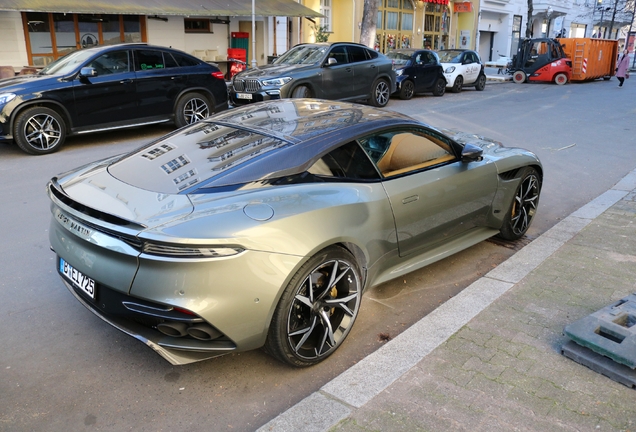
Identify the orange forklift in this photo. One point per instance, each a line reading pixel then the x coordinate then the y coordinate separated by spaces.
pixel 541 60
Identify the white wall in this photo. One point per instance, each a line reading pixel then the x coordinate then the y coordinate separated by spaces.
pixel 13 46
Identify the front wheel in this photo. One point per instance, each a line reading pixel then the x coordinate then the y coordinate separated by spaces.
pixel 408 90
pixel 301 92
pixel 440 87
pixel 519 77
pixel 380 93
pixel 317 309
pixel 561 79
pixel 481 83
pixel 192 108
pixel 523 207
pixel 458 84
pixel 39 131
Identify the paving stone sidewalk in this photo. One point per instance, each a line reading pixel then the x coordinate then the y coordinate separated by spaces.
pixel 490 358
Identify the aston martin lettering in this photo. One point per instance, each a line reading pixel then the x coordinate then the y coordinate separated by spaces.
pixel 73 226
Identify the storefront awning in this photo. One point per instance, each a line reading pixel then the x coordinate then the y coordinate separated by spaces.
pixel 193 8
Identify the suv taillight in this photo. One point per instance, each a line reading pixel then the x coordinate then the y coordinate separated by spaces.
pixel 218 75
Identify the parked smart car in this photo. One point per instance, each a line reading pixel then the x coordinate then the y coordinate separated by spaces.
pixel 107 87
pixel 335 71
pixel 417 71
pixel 462 68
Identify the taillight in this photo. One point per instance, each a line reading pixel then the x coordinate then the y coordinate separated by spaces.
pixel 218 75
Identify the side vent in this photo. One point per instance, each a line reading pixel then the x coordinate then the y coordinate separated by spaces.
pixel 509 175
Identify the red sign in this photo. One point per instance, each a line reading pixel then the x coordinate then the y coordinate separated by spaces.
pixel 463 7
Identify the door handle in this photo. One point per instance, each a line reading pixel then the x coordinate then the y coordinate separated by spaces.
pixel 410 199
pixel 348 69
pixel 126 81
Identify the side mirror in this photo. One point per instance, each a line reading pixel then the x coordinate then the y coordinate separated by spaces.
pixel 472 153
pixel 331 61
pixel 87 72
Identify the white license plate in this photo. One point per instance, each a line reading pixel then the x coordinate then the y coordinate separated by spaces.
pixel 78 279
pixel 244 96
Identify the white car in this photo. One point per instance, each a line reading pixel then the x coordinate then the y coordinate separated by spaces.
pixel 462 68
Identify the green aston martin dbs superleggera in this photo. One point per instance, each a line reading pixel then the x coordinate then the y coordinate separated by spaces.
pixel 262 226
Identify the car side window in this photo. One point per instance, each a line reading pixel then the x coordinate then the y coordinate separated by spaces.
pixel 111 63
pixel 347 162
pixel 149 59
pixel 183 60
pixel 357 54
pixel 426 59
pixel 339 54
pixel 169 61
pixel 408 151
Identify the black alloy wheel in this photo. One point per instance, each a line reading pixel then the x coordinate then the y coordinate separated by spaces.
pixel 440 87
pixel 523 206
pixel 317 309
pixel 39 130
pixel 481 83
pixel 459 83
pixel 407 90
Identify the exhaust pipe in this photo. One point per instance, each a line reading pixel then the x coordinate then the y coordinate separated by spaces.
pixel 174 329
pixel 203 332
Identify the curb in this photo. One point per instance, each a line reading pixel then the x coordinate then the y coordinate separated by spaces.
pixel 356 386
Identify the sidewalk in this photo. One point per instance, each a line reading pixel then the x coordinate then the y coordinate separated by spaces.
pixel 489 359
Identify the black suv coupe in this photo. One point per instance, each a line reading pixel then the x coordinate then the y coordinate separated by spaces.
pixel 335 71
pixel 418 71
pixel 107 87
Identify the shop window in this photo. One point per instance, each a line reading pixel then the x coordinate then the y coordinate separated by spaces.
pixel 194 25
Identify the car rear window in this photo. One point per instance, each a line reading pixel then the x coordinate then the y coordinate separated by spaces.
pixel 182 160
pixel 184 60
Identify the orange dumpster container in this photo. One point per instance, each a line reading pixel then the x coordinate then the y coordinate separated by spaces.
pixel 591 58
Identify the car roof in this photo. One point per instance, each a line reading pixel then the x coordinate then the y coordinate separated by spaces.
pixel 257 142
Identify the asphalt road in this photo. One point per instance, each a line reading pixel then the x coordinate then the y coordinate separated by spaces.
pixel 61 368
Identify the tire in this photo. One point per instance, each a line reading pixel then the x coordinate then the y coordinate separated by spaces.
pixel 519 77
pixel 39 131
pixel 440 87
pixel 317 309
pixel 191 108
pixel 380 93
pixel 459 83
pixel 481 83
pixel 560 79
pixel 301 92
pixel 407 90
pixel 523 207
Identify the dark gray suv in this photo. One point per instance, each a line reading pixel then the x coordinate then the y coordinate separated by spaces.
pixel 338 70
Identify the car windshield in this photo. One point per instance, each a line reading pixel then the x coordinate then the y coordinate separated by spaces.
pixel 399 58
pixel 450 56
pixel 303 54
pixel 68 63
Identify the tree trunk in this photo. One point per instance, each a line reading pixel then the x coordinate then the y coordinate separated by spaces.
pixel 369 22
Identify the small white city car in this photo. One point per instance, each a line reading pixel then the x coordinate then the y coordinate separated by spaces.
pixel 462 68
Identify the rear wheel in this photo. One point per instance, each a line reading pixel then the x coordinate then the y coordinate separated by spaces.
pixel 457 86
pixel 301 92
pixel 39 130
pixel 317 309
pixel 481 83
pixel 380 93
pixel 519 77
pixel 191 108
pixel 523 207
pixel 440 87
pixel 561 79
pixel 408 90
